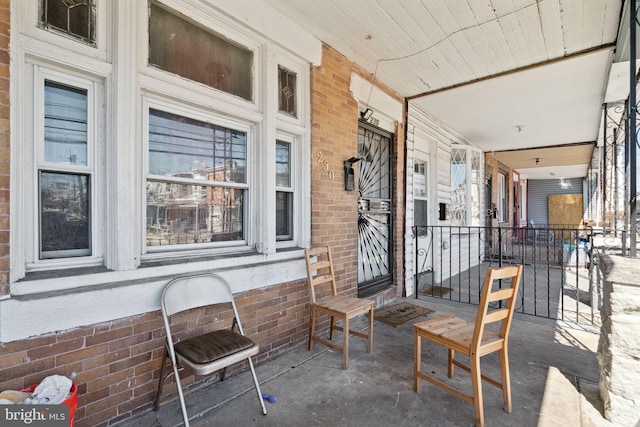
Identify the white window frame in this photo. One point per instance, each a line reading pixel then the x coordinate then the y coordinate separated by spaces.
pixel 422 197
pixel 249 186
pixel 59 44
pixel 95 117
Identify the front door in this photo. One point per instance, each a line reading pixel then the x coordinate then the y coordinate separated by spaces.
pixel 375 172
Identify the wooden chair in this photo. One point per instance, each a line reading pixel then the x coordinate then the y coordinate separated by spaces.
pixel 338 307
pixel 473 340
pixel 209 352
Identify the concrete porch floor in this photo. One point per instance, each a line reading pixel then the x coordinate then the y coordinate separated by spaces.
pixel 554 380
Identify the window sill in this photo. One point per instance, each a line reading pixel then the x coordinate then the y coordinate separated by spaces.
pixel 45 284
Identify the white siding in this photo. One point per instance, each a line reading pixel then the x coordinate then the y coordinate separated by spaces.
pixel 427 134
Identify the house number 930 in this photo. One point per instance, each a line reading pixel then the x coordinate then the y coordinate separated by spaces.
pixel 331 173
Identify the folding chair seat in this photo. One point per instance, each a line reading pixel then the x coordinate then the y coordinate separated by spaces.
pixel 205 353
pixel 474 340
pixel 338 307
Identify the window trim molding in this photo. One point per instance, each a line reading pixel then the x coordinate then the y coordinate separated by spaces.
pixel 30 157
pixel 202 249
pixel 119 182
pixel 27 16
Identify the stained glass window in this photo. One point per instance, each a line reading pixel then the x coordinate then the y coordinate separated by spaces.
pixel 75 18
pixel 287 92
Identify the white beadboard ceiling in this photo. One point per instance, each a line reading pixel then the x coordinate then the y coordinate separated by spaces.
pixel 506 74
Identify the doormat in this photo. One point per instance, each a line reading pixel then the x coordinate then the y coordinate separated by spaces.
pixel 401 313
pixel 436 291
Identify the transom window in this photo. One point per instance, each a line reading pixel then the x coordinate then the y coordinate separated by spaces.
pixel 197 181
pixel 287 91
pixel 74 18
pixel 183 48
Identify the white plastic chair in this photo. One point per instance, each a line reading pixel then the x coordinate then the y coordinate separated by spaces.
pixel 208 352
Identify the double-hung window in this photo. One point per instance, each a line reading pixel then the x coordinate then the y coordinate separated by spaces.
pixel 65 149
pixel 197 181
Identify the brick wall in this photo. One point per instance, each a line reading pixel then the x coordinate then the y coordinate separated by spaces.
pixel 4 146
pixel 118 362
pixel 334 116
pixel 334 138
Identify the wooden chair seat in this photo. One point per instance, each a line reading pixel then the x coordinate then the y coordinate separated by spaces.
pixel 474 340
pixel 454 332
pixel 338 307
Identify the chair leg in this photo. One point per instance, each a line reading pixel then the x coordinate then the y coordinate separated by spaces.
pixel 255 381
pixel 417 352
pixel 345 348
pixel 331 328
pixel 183 405
pixel 506 378
pixel 476 380
pixel 371 329
pixel 156 404
pixel 450 365
pixel 312 327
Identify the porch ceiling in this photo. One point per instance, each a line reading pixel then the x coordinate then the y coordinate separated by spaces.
pixel 505 74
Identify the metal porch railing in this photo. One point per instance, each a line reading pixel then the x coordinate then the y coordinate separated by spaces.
pixel 558 280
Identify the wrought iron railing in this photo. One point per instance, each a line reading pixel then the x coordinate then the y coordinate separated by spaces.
pixel 450 263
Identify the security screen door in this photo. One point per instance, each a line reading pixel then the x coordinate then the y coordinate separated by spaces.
pixel 375 172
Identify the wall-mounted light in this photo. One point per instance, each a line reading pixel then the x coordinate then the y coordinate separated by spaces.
pixel 349 174
pixel 537 161
pixel 366 114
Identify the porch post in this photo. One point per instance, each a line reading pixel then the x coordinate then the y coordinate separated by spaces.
pixel 633 138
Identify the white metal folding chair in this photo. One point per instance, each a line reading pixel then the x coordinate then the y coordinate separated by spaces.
pixel 208 352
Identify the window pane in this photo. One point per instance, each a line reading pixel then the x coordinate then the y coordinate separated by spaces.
pixel 419 180
pixel 76 18
pixel 65 124
pixel 183 48
pixel 187 148
pixel 284 215
pixel 186 213
pixel 287 91
pixel 420 212
pixel 283 164
pixel 458 209
pixel 64 215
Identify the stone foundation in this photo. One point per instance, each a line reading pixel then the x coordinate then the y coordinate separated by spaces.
pixel 619 346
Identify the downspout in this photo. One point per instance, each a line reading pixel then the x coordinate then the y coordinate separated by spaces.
pixel 404 211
